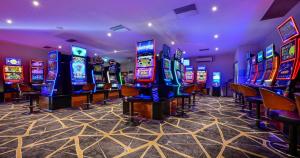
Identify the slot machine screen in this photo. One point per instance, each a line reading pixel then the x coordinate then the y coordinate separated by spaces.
pixel 78 70
pixel 168 75
pixel 288 29
pixel 285 70
pixel 270 51
pixel 288 51
pixel 145 61
pixel 145 47
pixel 12 76
pixel 97 68
pixel 144 73
pixel 13 61
pixel 167 63
pixel 186 62
pixel 216 78
pixel 189 75
pixel 52 70
pixel 260 56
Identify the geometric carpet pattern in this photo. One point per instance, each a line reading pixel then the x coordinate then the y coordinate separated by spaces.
pixel 215 128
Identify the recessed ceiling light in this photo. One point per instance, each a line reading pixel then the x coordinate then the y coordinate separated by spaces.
pixel 173 43
pixel 183 52
pixel 115 51
pixel 216 36
pixel 109 34
pixel 9 21
pixel 35 3
pixel 95 54
pixel 59 47
pixel 214 8
pixel 149 24
pixel 217 48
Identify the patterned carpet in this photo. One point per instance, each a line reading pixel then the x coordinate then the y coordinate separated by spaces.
pixel 216 128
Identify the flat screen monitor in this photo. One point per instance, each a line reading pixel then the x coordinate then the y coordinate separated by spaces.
pixel 167 63
pixel 288 29
pixel 78 69
pixel 260 56
pixel 145 61
pixel 186 62
pixel 145 47
pixel 78 51
pixel 13 61
pixel 270 51
pixel 216 79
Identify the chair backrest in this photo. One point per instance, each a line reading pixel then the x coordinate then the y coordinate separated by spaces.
pixel 247 91
pixel 190 89
pixel 128 91
pixel 24 88
pixel 297 98
pixel 88 87
pixel 275 101
pixel 107 86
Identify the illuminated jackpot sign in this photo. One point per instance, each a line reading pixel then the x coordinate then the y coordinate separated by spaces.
pixel 13 61
pixel 145 47
pixel 77 51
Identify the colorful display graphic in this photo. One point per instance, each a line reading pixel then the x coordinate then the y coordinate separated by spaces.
pixel 78 70
pixel 77 51
pixel 260 56
pixel 48 88
pixel 270 51
pixel 189 74
pixel 13 71
pixel 288 29
pixel 288 51
pixel 37 71
pixel 285 70
pixel 216 79
pixel 201 74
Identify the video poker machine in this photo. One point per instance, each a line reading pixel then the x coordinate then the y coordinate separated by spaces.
pixel 12 74
pixel 113 74
pixel 288 73
pixel 253 71
pixel 260 68
pixel 37 73
pixel 98 73
pixel 271 66
pixel 189 75
pixel 201 75
pixel 57 88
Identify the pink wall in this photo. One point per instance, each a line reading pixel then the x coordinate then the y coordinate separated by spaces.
pixel 25 53
pixel 222 63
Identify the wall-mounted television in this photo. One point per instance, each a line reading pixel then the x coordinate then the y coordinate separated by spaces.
pixel 186 62
pixel 288 29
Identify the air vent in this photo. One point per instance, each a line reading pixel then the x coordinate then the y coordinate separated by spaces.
pixel 188 9
pixel 279 8
pixel 204 49
pixel 71 40
pixel 205 59
pixel 47 47
pixel 119 28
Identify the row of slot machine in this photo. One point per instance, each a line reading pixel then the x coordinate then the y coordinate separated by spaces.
pixel 65 74
pixel 279 72
pixel 201 75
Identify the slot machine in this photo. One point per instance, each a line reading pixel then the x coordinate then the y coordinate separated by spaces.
pixel 178 71
pixel 201 75
pixel 113 74
pixel 78 68
pixel 288 77
pixel 249 65
pixel 12 74
pixel 216 84
pixel 271 65
pixel 37 75
pixel 253 71
pixel 260 68
pixel 189 74
pixel 98 73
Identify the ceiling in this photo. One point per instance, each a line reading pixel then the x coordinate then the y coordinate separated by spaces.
pixel 88 21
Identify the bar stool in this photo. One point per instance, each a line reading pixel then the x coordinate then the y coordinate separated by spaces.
pixel 88 88
pixel 128 92
pixel 26 90
pixel 250 95
pixel 106 90
pixel 282 109
pixel 191 90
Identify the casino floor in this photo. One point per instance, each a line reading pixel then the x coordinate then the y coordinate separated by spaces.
pixel 216 128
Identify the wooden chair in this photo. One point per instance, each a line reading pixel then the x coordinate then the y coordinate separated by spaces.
pixel 282 109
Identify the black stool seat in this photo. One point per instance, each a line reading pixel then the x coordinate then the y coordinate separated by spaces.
pixel 285 116
pixel 254 99
pixel 258 101
pixel 293 120
pixel 182 96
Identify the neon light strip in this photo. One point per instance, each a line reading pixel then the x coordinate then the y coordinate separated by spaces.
pixel 94 82
pixel 120 77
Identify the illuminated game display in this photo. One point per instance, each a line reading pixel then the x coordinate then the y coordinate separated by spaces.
pixel 201 74
pixel 271 66
pixel 216 79
pixel 260 68
pixel 12 71
pixel 78 66
pixel 249 65
pixel 253 71
pixel 113 74
pixel 51 79
pixel 37 72
pixel 189 74
pixel 98 73
pixel 178 70
pixel 289 56
pixel 145 62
